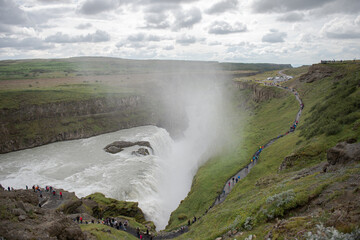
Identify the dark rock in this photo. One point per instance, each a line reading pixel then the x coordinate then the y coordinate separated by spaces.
pixel 113 149
pixel 141 151
pixel 71 206
pixel 118 146
pixel 18 212
pixel 343 153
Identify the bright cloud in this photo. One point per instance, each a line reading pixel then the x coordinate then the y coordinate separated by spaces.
pixel 281 31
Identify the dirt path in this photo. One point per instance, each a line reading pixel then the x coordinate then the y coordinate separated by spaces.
pixel 231 182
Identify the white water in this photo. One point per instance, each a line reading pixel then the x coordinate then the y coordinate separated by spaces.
pixel 84 167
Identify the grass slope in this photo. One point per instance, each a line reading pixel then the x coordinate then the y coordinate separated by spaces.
pixel 267 194
pixel 269 120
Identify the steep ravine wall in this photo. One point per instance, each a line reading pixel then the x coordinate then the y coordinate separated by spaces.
pixel 35 125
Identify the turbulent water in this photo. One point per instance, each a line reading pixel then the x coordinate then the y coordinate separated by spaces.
pixel 84 167
pixel 158 181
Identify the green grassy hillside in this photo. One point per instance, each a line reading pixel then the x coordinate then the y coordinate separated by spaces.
pixel 285 204
pixel 256 127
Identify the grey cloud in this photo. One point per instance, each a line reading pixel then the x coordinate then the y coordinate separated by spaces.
pixel 262 6
pixel 342 28
pixel 41 16
pixel 158 21
pixel 186 19
pixel 91 7
pixel 168 48
pixel 292 17
pixel 141 37
pixel 274 37
pixel 340 6
pixel 98 36
pixel 215 43
pixel 186 40
pixel 222 6
pixel 221 27
pixel 4 28
pixel 54 1
pixel 84 26
pixel 343 35
pixel 10 13
pixel 160 8
pixel 27 43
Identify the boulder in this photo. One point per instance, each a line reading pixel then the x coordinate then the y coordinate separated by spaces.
pixel 119 146
pixel 343 153
pixel 141 152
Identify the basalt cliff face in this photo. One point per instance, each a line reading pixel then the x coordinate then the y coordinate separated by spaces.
pixel 259 92
pixel 35 125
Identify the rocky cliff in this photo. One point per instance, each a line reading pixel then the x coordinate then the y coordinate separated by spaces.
pixel 35 125
pixel 260 92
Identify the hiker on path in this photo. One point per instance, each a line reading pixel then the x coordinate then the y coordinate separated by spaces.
pixel 138 232
pixel 60 194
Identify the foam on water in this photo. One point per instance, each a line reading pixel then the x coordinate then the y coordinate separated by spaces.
pixel 84 167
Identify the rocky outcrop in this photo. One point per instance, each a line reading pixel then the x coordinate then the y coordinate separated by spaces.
pixel 119 146
pixel 342 153
pixel 288 162
pixel 22 218
pixel 315 73
pixel 103 207
pixel 260 93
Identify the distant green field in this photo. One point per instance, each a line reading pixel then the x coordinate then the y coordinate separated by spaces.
pixel 90 66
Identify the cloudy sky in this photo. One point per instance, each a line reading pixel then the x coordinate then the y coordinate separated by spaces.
pixel 277 31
